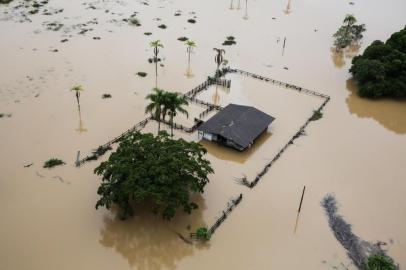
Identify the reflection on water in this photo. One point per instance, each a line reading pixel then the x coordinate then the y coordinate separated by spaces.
pixel 232 4
pixel 339 56
pixel 147 241
pixel 227 153
pixel 81 128
pixel 246 11
pixel 287 11
pixel 239 5
pixel 388 113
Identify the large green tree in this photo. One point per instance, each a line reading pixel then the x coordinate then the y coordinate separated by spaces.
pixel 149 169
pixel 381 70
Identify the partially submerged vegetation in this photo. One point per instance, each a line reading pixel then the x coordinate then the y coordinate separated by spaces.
pixel 203 233
pixel 145 168
pixel 316 116
pixel 349 33
pixel 230 40
pixel 142 74
pixel 50 163
pixel 381 70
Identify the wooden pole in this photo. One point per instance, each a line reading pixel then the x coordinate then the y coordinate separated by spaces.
pixel 301 200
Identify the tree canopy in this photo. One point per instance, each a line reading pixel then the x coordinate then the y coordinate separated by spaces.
pixel 153 169
pixel 349 33
pixel 381 70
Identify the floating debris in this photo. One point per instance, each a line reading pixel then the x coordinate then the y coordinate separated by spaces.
pixel 106 96
pixel 162 26
pixel 64 40
pixel 191 21
pixel 28 165
pixel 96 38
pixel 147 33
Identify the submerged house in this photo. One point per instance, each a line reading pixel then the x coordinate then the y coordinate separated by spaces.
pixel 236 126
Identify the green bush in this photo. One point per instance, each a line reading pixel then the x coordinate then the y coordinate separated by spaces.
pixel 381 262
pixel 50 163
pixel 203 233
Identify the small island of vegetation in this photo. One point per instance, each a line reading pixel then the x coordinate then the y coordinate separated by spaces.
pixel 381 70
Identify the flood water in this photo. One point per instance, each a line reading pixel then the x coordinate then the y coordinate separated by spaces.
pixel 356 151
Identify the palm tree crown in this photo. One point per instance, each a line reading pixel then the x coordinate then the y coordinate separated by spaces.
pixel 155 106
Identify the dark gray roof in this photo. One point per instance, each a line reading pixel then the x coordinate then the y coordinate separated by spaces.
pixel 241 124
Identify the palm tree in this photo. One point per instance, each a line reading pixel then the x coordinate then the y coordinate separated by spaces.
pixel 156 45
pixel 174 105
pixel 155 106
pixel 219 57
pixel 77 88
pixel 190 45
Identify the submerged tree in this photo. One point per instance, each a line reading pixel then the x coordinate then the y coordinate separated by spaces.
pixel 349 33
pixel 381 70
pixel 149 169
pixel 156 45
pixel 219 58
pixel 190 45
pixel 155 106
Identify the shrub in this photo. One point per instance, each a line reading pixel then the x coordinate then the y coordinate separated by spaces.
pixel 50 163
pixel 203 233
pixel 381 262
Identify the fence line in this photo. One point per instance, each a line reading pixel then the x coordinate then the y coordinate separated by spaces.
pixel 225 213
pixel 267 166
pixel 287 85
pixel 102 149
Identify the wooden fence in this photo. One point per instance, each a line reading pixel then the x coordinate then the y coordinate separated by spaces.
pixel 230 206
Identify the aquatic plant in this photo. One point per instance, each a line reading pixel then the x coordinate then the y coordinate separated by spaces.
pixel 77 89
pixel 203 234
pixel 191 21
pixel 50 163
pixel 162 26
pixel 106 96
pixel 140 157
pixel 5 1
pixel 182 38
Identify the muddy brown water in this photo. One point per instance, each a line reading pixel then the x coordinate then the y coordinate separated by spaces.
pixel 356 151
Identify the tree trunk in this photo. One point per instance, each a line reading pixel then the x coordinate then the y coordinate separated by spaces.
pixel 172 126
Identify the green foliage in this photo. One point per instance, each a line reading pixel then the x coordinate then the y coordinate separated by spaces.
pixel 381 262
pixel 349 33
pixel 157 170
pixel 381 70
pixel 50 163
pixel 203 234
pixel 142 74
pixel 316 116
pixel 5 1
